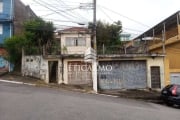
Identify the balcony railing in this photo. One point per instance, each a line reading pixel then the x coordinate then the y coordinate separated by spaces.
pixel 140 49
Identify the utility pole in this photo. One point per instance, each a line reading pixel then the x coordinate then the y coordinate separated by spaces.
pixel 94 63
pixel 94 25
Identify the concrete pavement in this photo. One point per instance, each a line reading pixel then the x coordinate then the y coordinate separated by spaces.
pixel 22 102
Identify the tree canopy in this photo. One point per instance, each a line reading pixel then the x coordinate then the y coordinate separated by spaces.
pixel 38 34
pixel 14 46
pixel 107 34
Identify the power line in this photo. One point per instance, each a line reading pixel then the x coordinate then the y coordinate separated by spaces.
pixel 72 9
pixel 106 15
pixel 132 29
pixel 47 14
pixel 58 11
pixel 51 9
pixel 113 21
pixel 140 23
pixel 57 20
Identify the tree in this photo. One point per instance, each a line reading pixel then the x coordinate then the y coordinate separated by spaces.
pixel 14 46
pixel 41 33
pixel 107 35
pixel 38 34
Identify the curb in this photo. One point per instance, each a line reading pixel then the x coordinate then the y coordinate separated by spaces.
pixel 77 90
pixel 15 82
pixel 107 95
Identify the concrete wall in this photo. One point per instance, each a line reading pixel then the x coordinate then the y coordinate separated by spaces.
pixel 150 61
pixel 75 49
pixel 38 67
pixel 156 61
pixel 4 65
pixel 35 66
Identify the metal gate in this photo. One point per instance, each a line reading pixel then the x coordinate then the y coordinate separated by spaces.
pixel 175 78
pixel 79 73
pixel 155 77
pixel 122 74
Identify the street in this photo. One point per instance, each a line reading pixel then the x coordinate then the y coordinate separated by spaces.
pixel 22 102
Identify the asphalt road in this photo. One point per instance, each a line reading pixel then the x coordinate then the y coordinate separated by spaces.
pixel 22 102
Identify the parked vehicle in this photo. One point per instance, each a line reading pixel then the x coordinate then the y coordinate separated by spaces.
pixel 171 94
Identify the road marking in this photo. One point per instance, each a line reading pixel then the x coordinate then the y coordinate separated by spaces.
pixel 107 95
pixel 15 82
pixel 29 84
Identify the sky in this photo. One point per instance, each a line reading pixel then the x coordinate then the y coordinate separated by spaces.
pixel 136 16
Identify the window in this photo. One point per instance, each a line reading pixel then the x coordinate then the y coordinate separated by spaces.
pixel 1 6
pixel 81 42
pixel 70 41
pixel 1 29
pixel 75 41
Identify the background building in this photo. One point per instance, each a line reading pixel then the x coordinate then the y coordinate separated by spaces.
pixel 164 38
pixel 13 13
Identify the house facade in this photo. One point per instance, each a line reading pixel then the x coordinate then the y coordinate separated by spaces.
pixel 130 71
pixel 66 67
pixel 138 70
pixel 164 38
pixel 6 30
pixel 74 42
pixel 13 13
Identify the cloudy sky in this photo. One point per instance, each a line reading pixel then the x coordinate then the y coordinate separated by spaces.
pixel 136 15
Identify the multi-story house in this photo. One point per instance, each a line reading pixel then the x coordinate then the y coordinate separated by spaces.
pixel 164 38
pixel 6 18
pixel 74 42
pixel 66 66
pixel 13 13
pixel 114 71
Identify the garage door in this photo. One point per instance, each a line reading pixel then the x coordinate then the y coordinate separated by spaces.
pixel 79 73
pixel 175 78
pixel 122 74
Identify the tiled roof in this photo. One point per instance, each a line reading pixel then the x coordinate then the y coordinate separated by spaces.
pixel 75 29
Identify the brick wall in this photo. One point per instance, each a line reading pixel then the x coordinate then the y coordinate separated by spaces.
pixel 22 13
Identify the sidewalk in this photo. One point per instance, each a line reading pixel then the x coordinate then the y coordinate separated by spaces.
pixel 145 95
pixel 16 77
